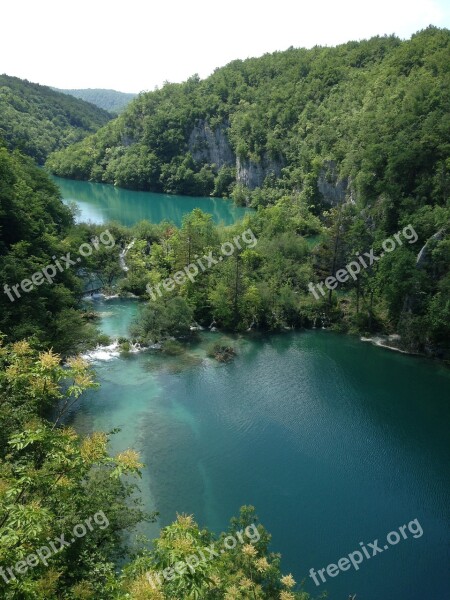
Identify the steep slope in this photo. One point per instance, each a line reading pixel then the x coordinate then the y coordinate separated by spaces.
pixel 110 100
pixel 37 120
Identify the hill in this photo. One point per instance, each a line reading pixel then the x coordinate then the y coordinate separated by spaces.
pixel 371 112
pixel 37 120
pixel 110 100
pixel 348 144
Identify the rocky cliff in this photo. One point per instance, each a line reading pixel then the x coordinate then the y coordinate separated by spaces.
pixel 333 189
pixel 211 146
pixel 252 174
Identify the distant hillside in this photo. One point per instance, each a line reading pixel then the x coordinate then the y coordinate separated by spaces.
pixel 110 100
pixel 38 120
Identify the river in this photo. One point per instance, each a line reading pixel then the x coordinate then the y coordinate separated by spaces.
pixel 334 441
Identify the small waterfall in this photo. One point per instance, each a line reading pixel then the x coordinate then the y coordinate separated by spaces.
pixel 123 254
pixel 111 351
pixel 135 347
pixel 103 352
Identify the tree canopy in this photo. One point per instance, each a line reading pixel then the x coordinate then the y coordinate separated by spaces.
pixel 38 120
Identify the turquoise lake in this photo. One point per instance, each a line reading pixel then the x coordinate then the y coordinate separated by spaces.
pixel 99 203
pixel 334 441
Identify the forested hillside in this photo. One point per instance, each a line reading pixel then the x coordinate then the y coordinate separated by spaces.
pixel 372 112
pixel 37 120
pixel 36 230
pixel 349 143
pixel 110 100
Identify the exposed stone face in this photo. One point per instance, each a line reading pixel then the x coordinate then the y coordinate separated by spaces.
pixel 423 257
pixel 252 174
pixel 211 146
pixel 333 189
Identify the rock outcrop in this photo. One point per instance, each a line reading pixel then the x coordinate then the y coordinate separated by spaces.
pixel 334 190
pixel 211 146
pixel 252 174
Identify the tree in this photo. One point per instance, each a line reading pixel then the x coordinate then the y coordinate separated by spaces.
pixel 53 481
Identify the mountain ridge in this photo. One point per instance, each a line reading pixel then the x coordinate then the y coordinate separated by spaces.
pixel 108 99
pixel 38 120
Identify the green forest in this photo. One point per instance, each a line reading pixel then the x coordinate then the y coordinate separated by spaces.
pixel 37 120
pixel 354 145
pixel 336 149
pixel 110 100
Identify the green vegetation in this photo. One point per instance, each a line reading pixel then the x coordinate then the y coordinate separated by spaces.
pixel 349 144
pixel 222 352
pixel 110 100
pixel 37 120
pixel 35 227
pixel 266 286
pixel 52 481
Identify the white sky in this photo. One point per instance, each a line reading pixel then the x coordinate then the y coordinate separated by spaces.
pixel 134 45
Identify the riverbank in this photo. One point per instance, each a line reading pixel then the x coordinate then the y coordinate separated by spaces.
pixel 122 317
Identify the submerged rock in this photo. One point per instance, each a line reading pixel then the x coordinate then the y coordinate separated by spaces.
pixel 222 352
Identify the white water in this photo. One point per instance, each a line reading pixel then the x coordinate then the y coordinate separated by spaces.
pixel 110 352
pixel 124 253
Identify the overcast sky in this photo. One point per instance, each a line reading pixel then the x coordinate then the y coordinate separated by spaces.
pixel 135 45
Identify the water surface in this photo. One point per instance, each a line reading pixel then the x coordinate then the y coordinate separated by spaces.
pixel 100 203
pixel 335 442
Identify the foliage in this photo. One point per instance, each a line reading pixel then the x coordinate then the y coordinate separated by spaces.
pixel 110 100
pixel 52 479
pixel 163 318
pixel 38 120
pixel 247 571
pixel 222 352
pixel 35 227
